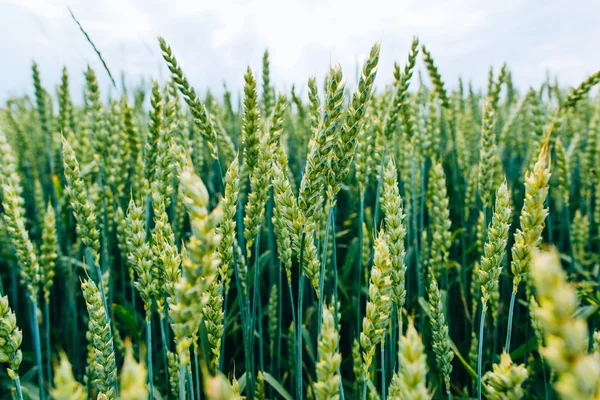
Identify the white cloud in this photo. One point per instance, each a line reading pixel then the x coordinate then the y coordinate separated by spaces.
pixel 216 40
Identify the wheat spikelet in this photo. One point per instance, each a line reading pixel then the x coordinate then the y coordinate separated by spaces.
pixel 213 320
pixel 105 369
pixel 494 249
pixel 226 228
pixel 48 252
pixel 440 218
pixel 439 329
pixel 267 94
pixel 320 148
pixel 14 219
pixel 328 379
pixel 436 78
pixel 345 145
pixel 201 116
pixel 155 121
pixel 578 373
pixel 410 382
pixel 533 214
pixel 133 377
pixel 199 268
pixel 580 231
pixel 250 123
pixel 272 312
pixel 260 184
pixel 139 254
pixel 65 385
pixel 487 152
pixel 395 231
pixel 379 305
pixel 10 339
pixel 83 209
pixel 563 171
pixel 285 213
pixel 505 380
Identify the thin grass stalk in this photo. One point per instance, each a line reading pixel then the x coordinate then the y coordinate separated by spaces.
pixel 35 329
pixel 322 272
pixel 73 312
pixel 244 317
pixel 279 327
pixel 299 321
pixel 149 353
pixel 422 198
pixel 420 287
pixel 383 370
pixel 400 329
pixel 197 369
pixel 255 301
pixel 364 386
pixel 48 348
pixel 18 387
pixel 182 374
pixel 480 351
pixel 190 383
pixel 261 356
pixel 335 289
pixel 359 266
pixel 165 346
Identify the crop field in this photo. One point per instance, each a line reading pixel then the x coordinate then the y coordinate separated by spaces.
pixel 345 239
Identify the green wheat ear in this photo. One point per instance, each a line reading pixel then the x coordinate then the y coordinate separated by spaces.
pixel 410 382
pixel 105 367
pixel 439 329
pixel 436 78
pixel 328 379
pixel 565 333
pixel 10 340
pixel 202 119
pixel 440 218
pixel 14 219
pixel 65 385
pixel 505 380
pixel 250 122
pixel 49 250
pixel 345 146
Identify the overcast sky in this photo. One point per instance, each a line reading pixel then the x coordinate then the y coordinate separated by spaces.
pixel 215 40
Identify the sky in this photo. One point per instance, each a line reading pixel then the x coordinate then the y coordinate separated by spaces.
pixel 215 40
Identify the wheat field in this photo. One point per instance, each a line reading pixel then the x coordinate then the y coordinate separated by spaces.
pixel 340 240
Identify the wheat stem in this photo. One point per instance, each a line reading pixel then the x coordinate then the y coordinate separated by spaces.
pixel 480 351
pixel 359 266
pixel 149 353
pixel 17 382
pixel 35 328
pixel 322 272
pixel 299 391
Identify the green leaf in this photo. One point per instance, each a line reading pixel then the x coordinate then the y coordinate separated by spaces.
pixel 242 382
pixel 277 386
